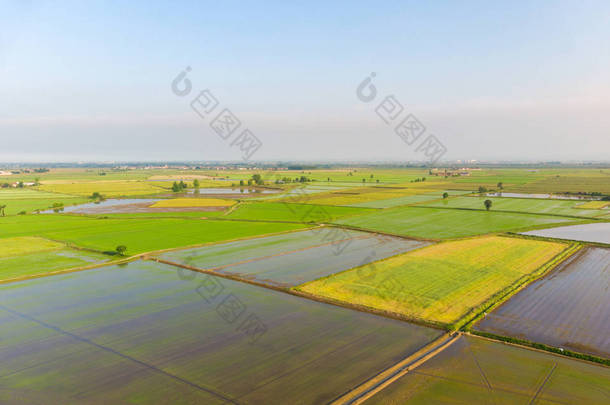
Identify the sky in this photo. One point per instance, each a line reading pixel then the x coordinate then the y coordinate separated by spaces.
pixel 513 80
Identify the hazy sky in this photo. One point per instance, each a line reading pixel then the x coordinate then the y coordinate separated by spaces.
pixel 89 80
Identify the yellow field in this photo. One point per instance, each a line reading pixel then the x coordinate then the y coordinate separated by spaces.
pixel 193 202
pixel 440 283
pixel 594 205
pixel 25 245
pixel 109 188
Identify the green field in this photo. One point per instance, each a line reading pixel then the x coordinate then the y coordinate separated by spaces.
pixel 18 200
pixel 531 205
pixel 477 371
pixel 139 235
pixel 406 200
pixel 27 256
pixel 437 223
pixel 292 212
pixel 145 331
pixel 441 283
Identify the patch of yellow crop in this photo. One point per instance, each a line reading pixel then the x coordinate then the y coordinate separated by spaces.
pixel 193 202
pixel 593 205
pixel 442 282
pixel 26 244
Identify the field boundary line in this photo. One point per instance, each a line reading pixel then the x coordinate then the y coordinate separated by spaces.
pixel 377 383
pixel 396 235
pixel 205 244
pixel 255 259
pixel 70 270
pixel 118 353
pixel 466 322
pixel 506 211
pixel 539 347
pixel 302 294
pixel 550 239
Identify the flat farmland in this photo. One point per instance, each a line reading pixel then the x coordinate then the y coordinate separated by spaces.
pixel 271 211
pixel 28 256
pixel 569 308
pixel 139 235
pixel 438 223
pixel 109 188
pixel 598 232
pixel 28 200
pixel 442 283
pixel 409 199
pixel 192 202
pixel 140 332
pixel 478 371
pixel 293 258
pixel 531 205
pixel 360 195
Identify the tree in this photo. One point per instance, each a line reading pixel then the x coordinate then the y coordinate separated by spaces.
pixel 196 183
pixel 241 183
pixel 2 207
pixel 500 185
pixel 175 187
pixel 487 204
pixel 257 179
pixel 121 249
pixel 445 194
pixel 482 189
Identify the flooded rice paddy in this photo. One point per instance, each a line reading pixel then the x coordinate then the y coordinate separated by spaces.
pixel 569 308
pixel 144 331
pixel 294 258
pixel 596 232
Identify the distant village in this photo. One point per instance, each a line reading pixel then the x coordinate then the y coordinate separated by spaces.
pixel 445 172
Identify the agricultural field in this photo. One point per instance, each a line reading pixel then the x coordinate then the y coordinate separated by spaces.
pixel 359 196
pixel 293 258
pixel 438 223
pixel 192 202
pixel 442 283
pixel 478 371
pixel 108 188
pixel 272 211
pixel 145 331
pixel 595 205
pixel 295 291
pixel 531 205
pixel 19 200
pixel 596 232
pixel 407 200
pixel 29 256
pixel 139 235
pixel 568 308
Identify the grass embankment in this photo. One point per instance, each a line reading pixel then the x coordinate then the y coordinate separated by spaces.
pixel 443 283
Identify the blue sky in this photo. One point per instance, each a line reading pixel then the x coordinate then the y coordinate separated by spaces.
pixel 512 80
